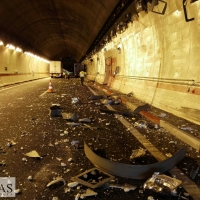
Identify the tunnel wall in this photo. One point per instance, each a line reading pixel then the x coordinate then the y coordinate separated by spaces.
pixel 158 60
pixel 19 67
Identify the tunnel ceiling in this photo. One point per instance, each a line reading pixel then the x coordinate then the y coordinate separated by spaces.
pixel 55 29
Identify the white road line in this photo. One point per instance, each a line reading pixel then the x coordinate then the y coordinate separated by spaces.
pixel 43 94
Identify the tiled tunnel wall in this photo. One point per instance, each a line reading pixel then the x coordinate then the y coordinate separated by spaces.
pixel 17 67
pixel 158 60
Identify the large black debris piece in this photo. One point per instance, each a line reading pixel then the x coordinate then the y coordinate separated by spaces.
pixel 97 97
pixel 55 110
pixel 144 107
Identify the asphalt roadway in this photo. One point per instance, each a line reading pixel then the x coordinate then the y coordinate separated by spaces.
pixel 26 125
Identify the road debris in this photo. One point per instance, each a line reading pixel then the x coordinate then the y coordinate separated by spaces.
pixel 85 120
pixel 97 97
pixel 93 178
pixel 159 182
pixel 33 154
pixel 75 143
pixel 125 187
pixel 72 184
pixel 11 143
pixel 55 110
pixel 30 178
pixel 70 116
pixel 138 153
pixel 194 172
pixel 140 124
pixel 144 107
pixel 57 182
pixel 88 193
pixel 75 100
pixel 17 191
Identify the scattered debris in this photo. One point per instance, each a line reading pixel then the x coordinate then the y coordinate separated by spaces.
pixel 75 143
pixel 55 198
pixel 130 94
pixel 75 100
pixel 138 153
pixel 33 154
pixel 63 164
pixel 168 155
pixel 74 124
pixel 194 172
pixel 88 193
pixel 70 116
pixel 97 97
pixel 85 120
pixel 30 178
pixel 158 182
pixel 150 198
pixel 58 181
pixel 24 159
pixel 186 128
pixel 93 178
pixel 162 115
pixel 141 124
pixel 2 164
pixel 59 159
pixel 17 191
pixel 77 196
pixel 90 127
pixel 125 187
pixel 107 102
pixel 11 143
pixel 72 184
pixel 125 114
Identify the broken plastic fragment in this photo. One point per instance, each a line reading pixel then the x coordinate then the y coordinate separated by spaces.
pixel 194 172
pixel 141 124
pixel 57 181
pixel 72 184
pixel 75 100
pixel 17 191
pixel 11 143
pixel 74 124
pixel 162 115
pixel 30 178
pixel 159 182
pixel 88 193
pixel 186 128
pixel 70 116
pixel 137 153
pixel 125 187
pixel 85 120
pixel 55 198
pixel 33 154
pixel 63 165
pixel 150 198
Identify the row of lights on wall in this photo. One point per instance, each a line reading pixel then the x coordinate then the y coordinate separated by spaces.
pixel 17 49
